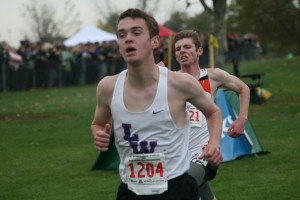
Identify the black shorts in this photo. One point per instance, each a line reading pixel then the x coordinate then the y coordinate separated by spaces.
pixel 210 172
pixel 183 187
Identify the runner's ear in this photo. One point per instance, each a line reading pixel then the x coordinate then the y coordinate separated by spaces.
pixel 199 51
pixel 155 41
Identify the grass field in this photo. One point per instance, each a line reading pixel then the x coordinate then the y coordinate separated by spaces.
pixel 47 149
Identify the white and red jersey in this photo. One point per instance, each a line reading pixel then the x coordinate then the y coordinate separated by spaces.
pixel 150 131
pixel 199 135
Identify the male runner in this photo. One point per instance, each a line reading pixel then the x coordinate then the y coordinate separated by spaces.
pixel 188 50
pixel 146 104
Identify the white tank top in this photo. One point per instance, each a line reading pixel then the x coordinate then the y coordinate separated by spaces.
pixel 199 135
pixel 150 131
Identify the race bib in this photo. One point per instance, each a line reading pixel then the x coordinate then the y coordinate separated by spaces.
pixel 195 117
pixel 146 173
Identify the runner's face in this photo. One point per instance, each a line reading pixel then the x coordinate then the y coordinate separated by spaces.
pixel 134 39
pixel 186 52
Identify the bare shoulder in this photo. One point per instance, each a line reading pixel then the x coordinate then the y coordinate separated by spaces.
pixel 106 86
pixel 183 86
pixel 181 80
pixel 218 75
pixel 221 78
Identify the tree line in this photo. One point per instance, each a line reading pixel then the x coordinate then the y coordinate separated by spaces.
pixel 276 23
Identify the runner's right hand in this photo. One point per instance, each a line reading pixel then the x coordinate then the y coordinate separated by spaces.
pixel 101 138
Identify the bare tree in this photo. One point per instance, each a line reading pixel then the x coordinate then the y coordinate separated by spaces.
pixel 142 4
pixel 103 10
pixel 46 24
pixel 149 7
pixel 218 26
pixel 107 9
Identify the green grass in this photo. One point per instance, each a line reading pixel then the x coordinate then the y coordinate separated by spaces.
pixel 47 147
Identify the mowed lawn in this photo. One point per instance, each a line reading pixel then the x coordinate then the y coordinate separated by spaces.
pixel 47 149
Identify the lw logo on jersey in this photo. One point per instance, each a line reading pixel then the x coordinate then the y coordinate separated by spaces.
pixel 138 147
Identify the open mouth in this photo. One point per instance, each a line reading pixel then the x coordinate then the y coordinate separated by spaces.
pixel 130 50
pixel 183 58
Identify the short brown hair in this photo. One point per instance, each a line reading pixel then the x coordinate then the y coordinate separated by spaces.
pixel 137 13
pixel 189 34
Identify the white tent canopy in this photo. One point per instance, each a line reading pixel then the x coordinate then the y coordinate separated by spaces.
pixel 90 34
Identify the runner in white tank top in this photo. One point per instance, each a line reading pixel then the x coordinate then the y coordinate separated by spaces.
pixel 146 104
pixel 188 50
pixel 154 128
pixel 199 132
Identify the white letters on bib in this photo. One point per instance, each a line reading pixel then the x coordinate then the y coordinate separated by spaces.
pixel 146 173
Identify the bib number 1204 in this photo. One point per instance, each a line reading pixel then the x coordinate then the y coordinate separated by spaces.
pixel 146 174
pixel 145 170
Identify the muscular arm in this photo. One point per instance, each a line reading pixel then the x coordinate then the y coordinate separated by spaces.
pixel 214 123
pixel 193 93
pixel 220 78
pixel 213 115
pixel 101 123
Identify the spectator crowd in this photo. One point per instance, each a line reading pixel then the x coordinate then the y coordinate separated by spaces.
pixel 45 65
pixel 36 65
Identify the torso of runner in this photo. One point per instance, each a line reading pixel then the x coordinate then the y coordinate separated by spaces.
pixel 152 148
pixel 199 131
